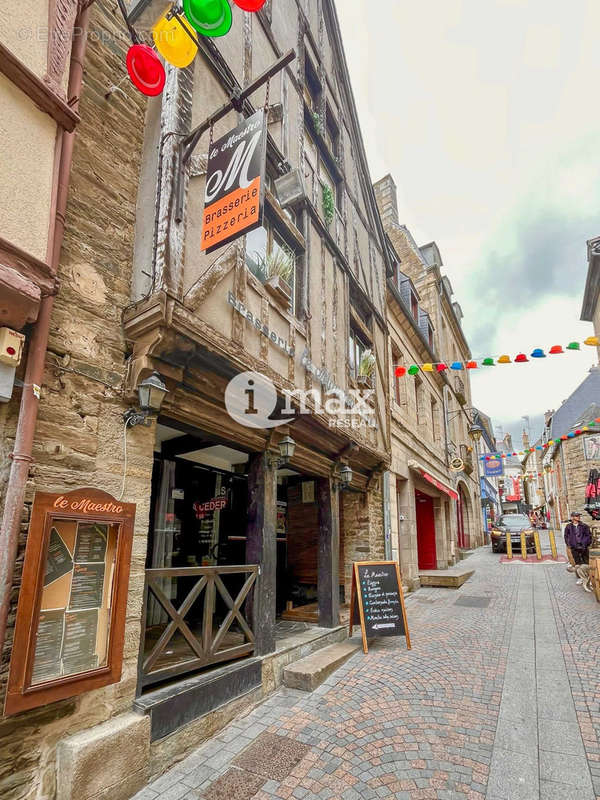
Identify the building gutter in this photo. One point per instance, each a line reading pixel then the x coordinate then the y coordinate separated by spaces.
pixel 34 370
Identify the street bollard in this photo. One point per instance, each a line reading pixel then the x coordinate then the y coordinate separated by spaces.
pixel 552 544
pixel 523 547
pixel 508 545
pixel 538 549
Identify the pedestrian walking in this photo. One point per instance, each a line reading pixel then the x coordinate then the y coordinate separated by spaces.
pixel 578 538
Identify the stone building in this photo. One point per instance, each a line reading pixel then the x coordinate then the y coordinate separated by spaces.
pixel 510 485
pixel 235 527
pixel 489 470
pixel 435 511
pixel 533 477
pixel 569 457
pixel 40 78
pixel 590 311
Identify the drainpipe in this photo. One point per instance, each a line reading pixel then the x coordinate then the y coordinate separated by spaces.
pixel 446 424
pixel 34 370
pixel 564 469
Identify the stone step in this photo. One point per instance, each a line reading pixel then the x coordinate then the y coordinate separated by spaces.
pixel 451 578
pixel 310 672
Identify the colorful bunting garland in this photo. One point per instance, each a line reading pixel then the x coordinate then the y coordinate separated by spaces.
pixel 175 37
pixel 588 428
pixel 488 361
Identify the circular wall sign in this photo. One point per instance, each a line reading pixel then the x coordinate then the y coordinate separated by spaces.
pixel 457 465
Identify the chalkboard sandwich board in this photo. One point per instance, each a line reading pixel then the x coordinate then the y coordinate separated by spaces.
pixel 377 601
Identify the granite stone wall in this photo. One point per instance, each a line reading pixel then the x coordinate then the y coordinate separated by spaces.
pixel 79 435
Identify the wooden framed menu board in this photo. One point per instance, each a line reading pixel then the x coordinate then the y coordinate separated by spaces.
pixel 377 601
pixel 72 603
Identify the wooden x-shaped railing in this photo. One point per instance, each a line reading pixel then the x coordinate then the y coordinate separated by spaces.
pixel 206 646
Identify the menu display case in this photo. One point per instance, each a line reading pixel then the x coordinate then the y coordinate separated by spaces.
pixel 71 614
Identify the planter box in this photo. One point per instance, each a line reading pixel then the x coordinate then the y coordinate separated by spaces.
pixel 279 289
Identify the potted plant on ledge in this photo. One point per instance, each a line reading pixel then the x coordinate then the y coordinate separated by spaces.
pixel 366 369
pixel 278 268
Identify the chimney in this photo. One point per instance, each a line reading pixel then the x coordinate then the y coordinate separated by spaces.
pixel 387 201
pixel 525 440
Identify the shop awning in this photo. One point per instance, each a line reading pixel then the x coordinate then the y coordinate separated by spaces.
pixel 434 481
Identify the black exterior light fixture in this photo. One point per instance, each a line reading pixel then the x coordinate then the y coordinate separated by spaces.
pixel 345 476
pixel 342 476
pixel 287 448
pixel 475 431
pixel 151 393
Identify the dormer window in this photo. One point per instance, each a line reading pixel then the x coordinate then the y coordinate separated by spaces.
pixel 425 326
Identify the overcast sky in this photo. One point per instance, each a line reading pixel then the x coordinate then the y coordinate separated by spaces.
pixel 486 114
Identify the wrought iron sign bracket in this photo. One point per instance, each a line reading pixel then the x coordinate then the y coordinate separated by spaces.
pixel 236 102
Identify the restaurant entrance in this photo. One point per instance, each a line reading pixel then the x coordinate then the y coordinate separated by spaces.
pixel 236 542
pixel 199 582
pixel 299 523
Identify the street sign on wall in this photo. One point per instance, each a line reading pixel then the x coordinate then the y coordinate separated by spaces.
pixel 493 468
pixel 235 183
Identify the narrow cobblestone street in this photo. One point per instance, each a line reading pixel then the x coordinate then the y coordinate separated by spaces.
pixel 497 699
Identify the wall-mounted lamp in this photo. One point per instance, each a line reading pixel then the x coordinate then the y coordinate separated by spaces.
pixel 345 476
pixel 342 476
pixel 475 431
pixel 287 448
pixel 151 393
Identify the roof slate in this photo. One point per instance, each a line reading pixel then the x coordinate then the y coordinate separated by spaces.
pixel 577 404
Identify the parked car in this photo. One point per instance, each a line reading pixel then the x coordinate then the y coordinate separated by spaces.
pixel 513 524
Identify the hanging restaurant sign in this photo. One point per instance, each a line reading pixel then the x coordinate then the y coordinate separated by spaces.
pixel 235 183
pixel 493 469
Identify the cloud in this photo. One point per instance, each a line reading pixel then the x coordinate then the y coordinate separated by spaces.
pixel 531 262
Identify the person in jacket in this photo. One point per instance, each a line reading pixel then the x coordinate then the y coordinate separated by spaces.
pixel 578 537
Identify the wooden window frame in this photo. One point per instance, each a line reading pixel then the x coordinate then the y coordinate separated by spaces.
pixel 332 131
pixel 21 695
pixel 399 393
pixel 275 235
pixel 430 335
pixel 313 89
pixel 353 336
pixel 414 305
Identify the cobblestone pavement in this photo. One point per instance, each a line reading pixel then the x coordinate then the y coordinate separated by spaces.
pixel 498 699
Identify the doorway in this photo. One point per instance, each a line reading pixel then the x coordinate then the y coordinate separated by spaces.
pixel 426 548
pixel 462 519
